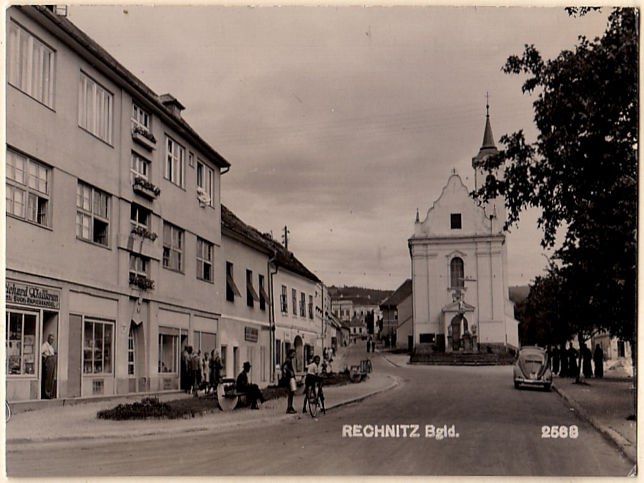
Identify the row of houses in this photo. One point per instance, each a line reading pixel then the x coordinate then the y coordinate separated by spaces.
pixel 118 245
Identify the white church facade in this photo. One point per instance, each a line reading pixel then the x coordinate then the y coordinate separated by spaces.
pixel 459 271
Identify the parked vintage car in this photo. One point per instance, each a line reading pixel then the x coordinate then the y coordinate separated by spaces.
pixel 532 368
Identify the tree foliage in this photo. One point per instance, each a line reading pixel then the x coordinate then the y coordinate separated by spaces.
pixel 581 172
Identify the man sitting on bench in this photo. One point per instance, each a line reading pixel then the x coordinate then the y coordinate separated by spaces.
pixel 253 394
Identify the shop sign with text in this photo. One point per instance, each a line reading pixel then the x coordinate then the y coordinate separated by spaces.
pixel 26 294
pixel 251 334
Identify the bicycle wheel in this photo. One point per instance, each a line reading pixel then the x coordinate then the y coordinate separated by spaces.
pixel 313 406
pixel 7 412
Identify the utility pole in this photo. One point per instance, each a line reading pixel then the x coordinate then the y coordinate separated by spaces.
pixel 285 237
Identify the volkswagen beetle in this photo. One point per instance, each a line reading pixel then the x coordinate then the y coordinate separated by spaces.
pixel 531 368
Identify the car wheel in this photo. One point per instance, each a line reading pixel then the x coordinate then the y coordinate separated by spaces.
pixel 516 385
pixel 547 387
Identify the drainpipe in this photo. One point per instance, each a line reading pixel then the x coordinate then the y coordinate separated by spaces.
pixel 271 314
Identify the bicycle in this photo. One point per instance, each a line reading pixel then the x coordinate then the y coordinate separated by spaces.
pixel 315 398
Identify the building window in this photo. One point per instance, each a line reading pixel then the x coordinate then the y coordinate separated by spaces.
pixel 251 294
pixel 310 306
pixel 139 167
pixel 168 353
pixel 457 273
pixel 175 159
pixel 131 354
pixel 97 348
pixel 172 247
pixel 205 182
pixel 204 260
pixel 21 343
pixel 427 338
pixel 294 300
pixel 95 106
pixel 139 216
pixel 262 363
pixel 284 300
pixel 30 65
pixel 140 118
pixel 455 221
pixel 224 350
pixel 621 349
pixel 92 214
pixel 231 288
pixel 138 266
pixel 262 292
pixel 302 304
pixel 28 187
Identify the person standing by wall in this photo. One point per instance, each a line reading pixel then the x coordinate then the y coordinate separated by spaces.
pixel 598 358
pixel 215 367
pixel 288 375
pixel 48 368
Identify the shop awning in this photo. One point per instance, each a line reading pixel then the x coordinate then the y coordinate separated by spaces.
pixel 251 290
pixel 263 293
pixel 231 284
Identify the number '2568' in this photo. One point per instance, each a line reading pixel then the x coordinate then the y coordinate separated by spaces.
pixel 562 432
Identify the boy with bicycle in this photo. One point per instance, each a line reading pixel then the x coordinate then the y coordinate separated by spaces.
pixel 312 380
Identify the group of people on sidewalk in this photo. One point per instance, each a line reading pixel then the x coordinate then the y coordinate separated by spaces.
pixel 204 372
pixel 564 361
pixel 200 371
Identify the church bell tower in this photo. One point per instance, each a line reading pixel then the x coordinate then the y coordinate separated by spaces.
pixel 495 208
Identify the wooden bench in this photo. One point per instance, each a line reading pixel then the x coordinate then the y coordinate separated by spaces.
pixel 228 396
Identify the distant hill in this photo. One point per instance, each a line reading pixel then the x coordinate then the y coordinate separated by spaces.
pixel 359 295
pixel 519 293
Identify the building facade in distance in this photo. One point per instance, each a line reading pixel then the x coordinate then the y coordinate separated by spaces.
pixel 459 270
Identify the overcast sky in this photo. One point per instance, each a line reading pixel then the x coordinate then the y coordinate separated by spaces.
pixel 341 121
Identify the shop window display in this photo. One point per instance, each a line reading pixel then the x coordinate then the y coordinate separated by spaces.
pixel 97 348
pixel 21 343
pixel 168 353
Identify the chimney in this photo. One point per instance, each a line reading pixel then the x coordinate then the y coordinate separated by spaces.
pixel 172 104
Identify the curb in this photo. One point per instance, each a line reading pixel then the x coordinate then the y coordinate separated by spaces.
pixel 624 446
pixel 216 429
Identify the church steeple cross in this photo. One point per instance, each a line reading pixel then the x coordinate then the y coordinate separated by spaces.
pixel 487 104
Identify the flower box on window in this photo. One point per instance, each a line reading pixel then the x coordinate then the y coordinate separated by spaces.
pixel 144 137
pixel 145 188
pixel 203 197
pixel 144 233
pixel 141 281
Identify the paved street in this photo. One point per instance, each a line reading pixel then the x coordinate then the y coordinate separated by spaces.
pixel 499 432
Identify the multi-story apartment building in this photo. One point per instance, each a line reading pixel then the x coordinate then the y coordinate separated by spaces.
pixel 245 321
pixel 297 295
pixel 113 220
pixel 273 303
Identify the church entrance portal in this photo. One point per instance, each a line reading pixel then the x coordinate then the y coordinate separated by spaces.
pixel 461 338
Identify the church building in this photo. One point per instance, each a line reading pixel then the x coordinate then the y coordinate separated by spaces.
pixel 459 270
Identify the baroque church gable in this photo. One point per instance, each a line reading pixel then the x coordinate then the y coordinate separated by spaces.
pixel 454 207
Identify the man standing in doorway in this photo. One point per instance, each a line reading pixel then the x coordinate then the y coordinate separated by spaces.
pixel 48 368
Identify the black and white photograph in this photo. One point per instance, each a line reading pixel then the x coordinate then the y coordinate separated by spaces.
pixel 320 240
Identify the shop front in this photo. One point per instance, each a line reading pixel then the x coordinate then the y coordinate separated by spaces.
pixel 32 328
pixel 244 340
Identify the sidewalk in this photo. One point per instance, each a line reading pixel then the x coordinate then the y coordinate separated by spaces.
pixel 80 422
pixel 605 403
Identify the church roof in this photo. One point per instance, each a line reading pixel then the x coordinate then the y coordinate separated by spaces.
pixel 487 147
pixel 488 137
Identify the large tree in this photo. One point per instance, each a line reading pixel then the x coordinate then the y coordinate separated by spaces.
pixel 581 172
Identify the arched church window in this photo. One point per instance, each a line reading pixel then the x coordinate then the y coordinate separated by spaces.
pixel 457 273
